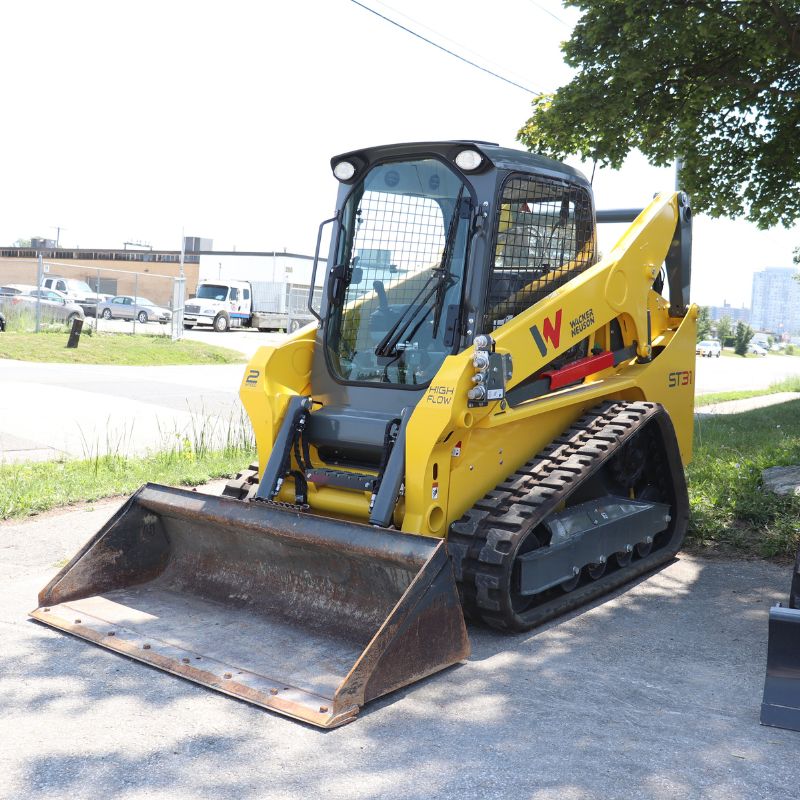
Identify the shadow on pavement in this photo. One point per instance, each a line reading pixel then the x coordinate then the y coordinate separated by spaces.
pixel 652 693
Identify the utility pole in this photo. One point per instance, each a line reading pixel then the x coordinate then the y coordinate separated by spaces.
pixel 58 230
pixel 678 168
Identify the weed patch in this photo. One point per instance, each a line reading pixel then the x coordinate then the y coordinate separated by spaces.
pixel 214 450
pixel 729 508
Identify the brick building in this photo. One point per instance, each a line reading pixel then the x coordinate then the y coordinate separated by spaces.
pixel 148 273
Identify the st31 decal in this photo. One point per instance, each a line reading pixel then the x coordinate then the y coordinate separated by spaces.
pixel 683 378
pixel 252 377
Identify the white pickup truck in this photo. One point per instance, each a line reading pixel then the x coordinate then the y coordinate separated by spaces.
pixel 77 291
pixel 249 304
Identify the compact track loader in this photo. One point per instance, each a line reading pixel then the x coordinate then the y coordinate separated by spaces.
pixel 486 417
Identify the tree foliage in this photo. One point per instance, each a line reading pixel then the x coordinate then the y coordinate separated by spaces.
pixel 724 330
pixel 716 82
pixel 742 337
pixel 703 324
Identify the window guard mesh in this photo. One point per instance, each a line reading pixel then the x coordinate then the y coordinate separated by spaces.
pixel 545 237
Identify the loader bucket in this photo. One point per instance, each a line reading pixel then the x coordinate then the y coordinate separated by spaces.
pixel 304 615
pixel 781 704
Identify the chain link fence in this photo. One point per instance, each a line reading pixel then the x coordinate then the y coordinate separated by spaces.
pixel 39 292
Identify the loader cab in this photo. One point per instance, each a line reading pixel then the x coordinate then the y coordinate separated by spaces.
pixel 433 244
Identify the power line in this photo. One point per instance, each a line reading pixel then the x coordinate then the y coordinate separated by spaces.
pixel 441 36
pixel 449 52
pixel 547 11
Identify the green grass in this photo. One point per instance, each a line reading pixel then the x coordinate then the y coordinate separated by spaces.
pixel 209 449
pixel 729 510
pixel 112 348
pixel 794 354
pixel 788 385
pixel 31 487
pixel 730 354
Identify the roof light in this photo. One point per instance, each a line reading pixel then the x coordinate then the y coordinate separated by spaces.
pixel 344 170
pixel 468 160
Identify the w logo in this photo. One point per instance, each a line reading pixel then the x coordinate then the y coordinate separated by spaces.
pixel 552 333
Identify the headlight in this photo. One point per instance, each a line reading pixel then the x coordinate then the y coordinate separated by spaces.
pixel 207 311
pixel 468 160
pixel 344 170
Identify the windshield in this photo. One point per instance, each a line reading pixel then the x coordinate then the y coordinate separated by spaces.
pixel 395 293
pixel 211 291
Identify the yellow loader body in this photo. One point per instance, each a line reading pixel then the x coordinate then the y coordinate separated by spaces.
pixel 486 416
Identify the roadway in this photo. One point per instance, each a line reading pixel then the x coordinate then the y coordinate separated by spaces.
pixel 245 340
pixel 722 374
pixel 731 373
pixel 80 410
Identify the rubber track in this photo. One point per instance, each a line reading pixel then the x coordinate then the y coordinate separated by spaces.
pixel 484 542
pixel 240 487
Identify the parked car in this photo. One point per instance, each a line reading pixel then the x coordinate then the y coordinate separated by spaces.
pixel 54 305
pixel 709 348
pixel 756 350
pixel 2 323
pixel 127 307
pixel 10 289
pixel 77 291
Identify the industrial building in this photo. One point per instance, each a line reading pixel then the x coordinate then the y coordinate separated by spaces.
pixel 146 273
pixel 776 301
pixel 735 315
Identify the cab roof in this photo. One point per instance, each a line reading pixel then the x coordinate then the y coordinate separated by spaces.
pixel 504 158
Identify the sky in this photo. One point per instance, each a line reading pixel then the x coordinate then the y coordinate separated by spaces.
pixel 137 121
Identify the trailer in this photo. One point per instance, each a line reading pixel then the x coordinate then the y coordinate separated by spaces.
pixel 266 305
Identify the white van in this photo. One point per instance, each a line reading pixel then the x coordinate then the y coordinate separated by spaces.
pixel 709 348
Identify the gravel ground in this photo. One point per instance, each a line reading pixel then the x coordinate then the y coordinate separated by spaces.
pixel 653 693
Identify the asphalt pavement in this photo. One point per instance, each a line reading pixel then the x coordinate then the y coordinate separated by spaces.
pixel 79 410
pixel 731 373
pixel 652 693
pixel 245 340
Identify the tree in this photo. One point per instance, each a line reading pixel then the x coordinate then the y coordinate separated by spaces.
pixel 703 324
pixel 715 82
pixel 742 337
pixel 724 330
pixel 22 243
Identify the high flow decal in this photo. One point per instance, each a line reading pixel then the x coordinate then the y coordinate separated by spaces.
pixel 439 395
pixel 551 332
